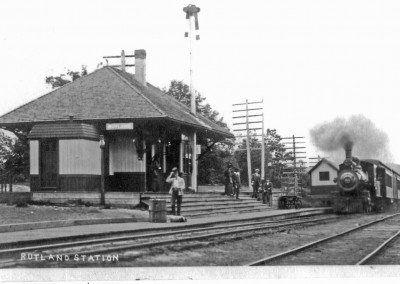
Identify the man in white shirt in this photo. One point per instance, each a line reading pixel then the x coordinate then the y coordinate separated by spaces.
pixel 176 190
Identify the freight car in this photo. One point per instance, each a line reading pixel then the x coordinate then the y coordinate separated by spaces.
pixel 365 185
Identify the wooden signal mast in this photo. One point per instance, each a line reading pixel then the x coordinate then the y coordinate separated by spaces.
pixel 191 12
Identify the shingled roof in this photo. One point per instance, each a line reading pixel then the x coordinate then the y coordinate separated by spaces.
pixel 320 162
pixel 107 94
pixel 64 130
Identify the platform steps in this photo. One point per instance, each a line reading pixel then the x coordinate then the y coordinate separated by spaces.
pixel 197 205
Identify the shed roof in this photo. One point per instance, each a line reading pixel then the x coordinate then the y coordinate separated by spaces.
pixel 64 130
pixel 320 162
pixel 107 94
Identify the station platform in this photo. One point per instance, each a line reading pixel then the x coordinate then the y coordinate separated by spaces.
pixel 44 235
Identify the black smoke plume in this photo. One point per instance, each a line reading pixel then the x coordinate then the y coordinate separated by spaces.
pixel 358 132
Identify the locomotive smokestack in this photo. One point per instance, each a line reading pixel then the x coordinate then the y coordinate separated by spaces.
pixel 348 147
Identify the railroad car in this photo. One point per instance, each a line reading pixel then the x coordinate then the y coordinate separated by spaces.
pixel 365 185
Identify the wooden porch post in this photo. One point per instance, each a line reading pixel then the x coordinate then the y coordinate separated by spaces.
pixel 194 161
pixel 164 158
pixel 102 192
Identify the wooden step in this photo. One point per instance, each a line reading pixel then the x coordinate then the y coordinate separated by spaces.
pixel 198 205
pixel 220 207
pixel 223 212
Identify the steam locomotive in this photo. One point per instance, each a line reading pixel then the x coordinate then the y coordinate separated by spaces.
pixel 365 185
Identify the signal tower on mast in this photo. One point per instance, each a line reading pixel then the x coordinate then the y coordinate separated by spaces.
pixel 191 12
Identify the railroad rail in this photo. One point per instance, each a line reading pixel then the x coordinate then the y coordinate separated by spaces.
pixel 295 255
pixel 150 240
pixel 369 258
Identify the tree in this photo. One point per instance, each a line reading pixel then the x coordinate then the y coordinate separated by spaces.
pixel 62 79
pixel 275 156
pixel 14 153
pixel 6 147
pixel 216 153
pixel 278 156
pixel 213 163
pixel 180 91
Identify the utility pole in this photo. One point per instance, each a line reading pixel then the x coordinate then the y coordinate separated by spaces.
pixel 262 150
pixel 123 57
pixel 248 129
pixel 312 161
pixel 293 175
pixel 191 12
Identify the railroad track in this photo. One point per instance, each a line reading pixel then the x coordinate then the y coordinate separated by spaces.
pixel 357 246
pixel 188 238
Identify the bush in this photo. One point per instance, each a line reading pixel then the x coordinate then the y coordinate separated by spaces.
pixel 20 178
pixel 77 202
pixel 40 202
pixel 21 203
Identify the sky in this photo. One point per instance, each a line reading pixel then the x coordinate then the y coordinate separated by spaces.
pixel 310 61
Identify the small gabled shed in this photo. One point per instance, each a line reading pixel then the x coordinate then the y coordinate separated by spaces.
pixel 322 176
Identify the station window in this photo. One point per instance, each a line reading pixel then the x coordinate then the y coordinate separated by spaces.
pixel 323 176
pixel 388 180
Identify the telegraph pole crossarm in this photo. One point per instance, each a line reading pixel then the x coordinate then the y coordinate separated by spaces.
pixel 249 112
pixel 294 166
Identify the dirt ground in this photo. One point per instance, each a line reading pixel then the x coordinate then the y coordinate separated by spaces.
pixel 244 250
pixel 223 251
pixel 19 187
pixel 10 214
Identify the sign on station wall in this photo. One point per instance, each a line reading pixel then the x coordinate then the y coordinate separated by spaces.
pixel 119 126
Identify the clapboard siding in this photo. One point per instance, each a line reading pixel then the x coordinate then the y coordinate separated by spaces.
pixel 79 156
pixel 35 182
pixel 113 198
pixel 123 156
pixel 34 157
pixel 323 167
pixel 79 182
pixel 126 182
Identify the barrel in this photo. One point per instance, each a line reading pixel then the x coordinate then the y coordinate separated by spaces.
pixel 157 211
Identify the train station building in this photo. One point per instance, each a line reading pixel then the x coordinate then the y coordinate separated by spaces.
pixel 110 122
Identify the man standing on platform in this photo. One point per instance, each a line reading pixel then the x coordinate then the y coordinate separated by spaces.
pixel 228 179
pixel 255 182
pixel 236 183
pixel 156 175
pixel 267 193
pixel 176 191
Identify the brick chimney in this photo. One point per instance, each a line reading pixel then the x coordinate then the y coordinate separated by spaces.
pixel 140 66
